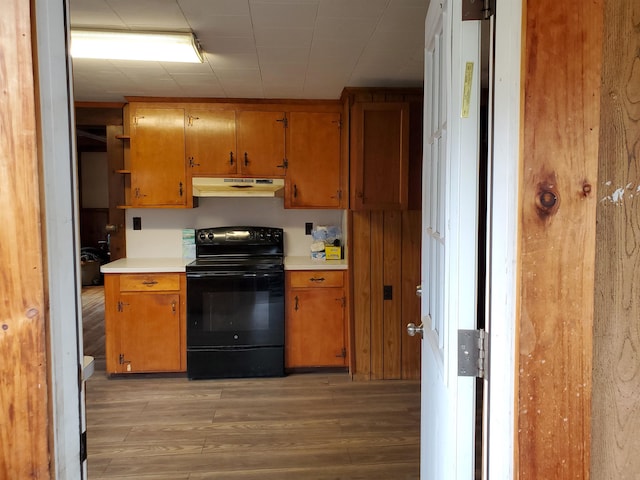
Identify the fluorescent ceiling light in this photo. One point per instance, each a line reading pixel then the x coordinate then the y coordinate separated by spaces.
pixel 128 45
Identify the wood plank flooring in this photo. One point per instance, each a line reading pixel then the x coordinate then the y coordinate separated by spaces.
pixel 305 426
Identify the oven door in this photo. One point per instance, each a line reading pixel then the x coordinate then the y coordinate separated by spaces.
pixel 235 309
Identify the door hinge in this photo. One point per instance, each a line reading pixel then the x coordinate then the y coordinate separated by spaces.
pixel 121 359
pixel 83 447
pixel 472 353
pixel 342 354
pixel 478 9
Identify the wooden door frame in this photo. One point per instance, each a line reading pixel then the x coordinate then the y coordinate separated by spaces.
pixel 556 255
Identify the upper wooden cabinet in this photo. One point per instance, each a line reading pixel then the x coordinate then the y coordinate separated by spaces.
pixel 314 174
pixel 227 142
pixel 385 148
pixel 157 166
pixel 211 141
pixel 172 142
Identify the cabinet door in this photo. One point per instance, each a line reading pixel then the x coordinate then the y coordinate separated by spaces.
pixel 315 328
pixel 314 173
pixel 380 156
pixel 261 143
pixel 211 142
pixel 158 172
pixel 150 332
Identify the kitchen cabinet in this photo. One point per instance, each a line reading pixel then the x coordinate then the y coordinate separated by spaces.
pixel 145 329
pixel 261 142
pixel 385 148
pixel 157 158
pixel 380 155
pixel 223 142
pixel 315 319
pixel 314 173
pixel 211 142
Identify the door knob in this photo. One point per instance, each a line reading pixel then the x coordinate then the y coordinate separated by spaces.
pixel 419 290
pixel 412 330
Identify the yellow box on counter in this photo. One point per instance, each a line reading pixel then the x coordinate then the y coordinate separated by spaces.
pixel 333 253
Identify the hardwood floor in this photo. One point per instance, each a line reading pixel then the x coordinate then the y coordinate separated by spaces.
pixel 306 426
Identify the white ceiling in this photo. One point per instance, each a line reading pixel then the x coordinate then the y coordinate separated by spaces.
pixel 259 48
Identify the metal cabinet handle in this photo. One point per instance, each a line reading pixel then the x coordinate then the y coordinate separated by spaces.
pixel 295 191
pixel 316 279
pixel 419 290
pixel 149 283
pixel 230 158
pixel 173 307
pixel 246 159
pixel 296 307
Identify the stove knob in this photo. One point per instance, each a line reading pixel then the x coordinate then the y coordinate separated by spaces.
pixel 202 236
pixel 210 236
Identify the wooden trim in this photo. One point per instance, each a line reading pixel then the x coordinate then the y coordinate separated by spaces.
pixel 557 237
pixel 392 276
pixel 615 423
pixel 247 103
pixel 25 427
pixel 376 302
pixel 361 295
pixel 410 277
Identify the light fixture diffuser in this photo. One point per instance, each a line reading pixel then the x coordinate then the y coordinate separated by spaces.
pixel 129 45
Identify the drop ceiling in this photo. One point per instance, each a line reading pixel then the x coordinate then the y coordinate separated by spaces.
pixel 287 49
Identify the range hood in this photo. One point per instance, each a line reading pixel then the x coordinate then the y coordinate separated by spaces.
pixel 237 187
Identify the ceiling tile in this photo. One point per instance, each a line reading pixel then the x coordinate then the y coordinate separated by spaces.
pixel 283 37
pixel 223 45
pixel 278 14
pixel 221 26
pixel 211 8
pixel 150 13
pixel 333 27
pixel 282 55
pixel 94 13
pixel 352 8
pixel 233 61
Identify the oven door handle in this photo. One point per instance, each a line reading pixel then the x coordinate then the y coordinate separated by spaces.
pixel 233 274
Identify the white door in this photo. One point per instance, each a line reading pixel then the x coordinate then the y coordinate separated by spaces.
pixel 449 240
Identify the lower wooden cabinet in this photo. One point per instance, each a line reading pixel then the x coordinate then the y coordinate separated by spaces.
pixel 145 329
pixel 315 319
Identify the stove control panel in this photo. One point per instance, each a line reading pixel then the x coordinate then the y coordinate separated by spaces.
pixel 239 235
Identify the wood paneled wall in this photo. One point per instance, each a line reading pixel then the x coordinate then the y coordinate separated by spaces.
pixel 616 373
pixel 558 200
pixel 385 250
pixel 25 451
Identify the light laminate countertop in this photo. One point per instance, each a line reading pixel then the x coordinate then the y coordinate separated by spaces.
pixel 170 265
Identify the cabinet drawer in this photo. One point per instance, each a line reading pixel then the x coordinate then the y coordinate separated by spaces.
pixel 145 282
pixel 316 278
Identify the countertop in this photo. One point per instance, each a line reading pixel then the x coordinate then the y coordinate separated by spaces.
pixel 159 265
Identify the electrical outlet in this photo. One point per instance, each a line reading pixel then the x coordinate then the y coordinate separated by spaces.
pixel 137 223
pixel 308 227
pixel 387 292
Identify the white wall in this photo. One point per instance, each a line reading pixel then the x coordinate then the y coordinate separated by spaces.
pixel 161 234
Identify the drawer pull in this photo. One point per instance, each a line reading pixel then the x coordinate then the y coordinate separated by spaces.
pixel 316 279
pixel 149 283
pixel 296 306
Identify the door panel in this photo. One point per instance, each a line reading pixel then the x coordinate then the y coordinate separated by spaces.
pixel 211 142
pixel 449 271
pixel 261 142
